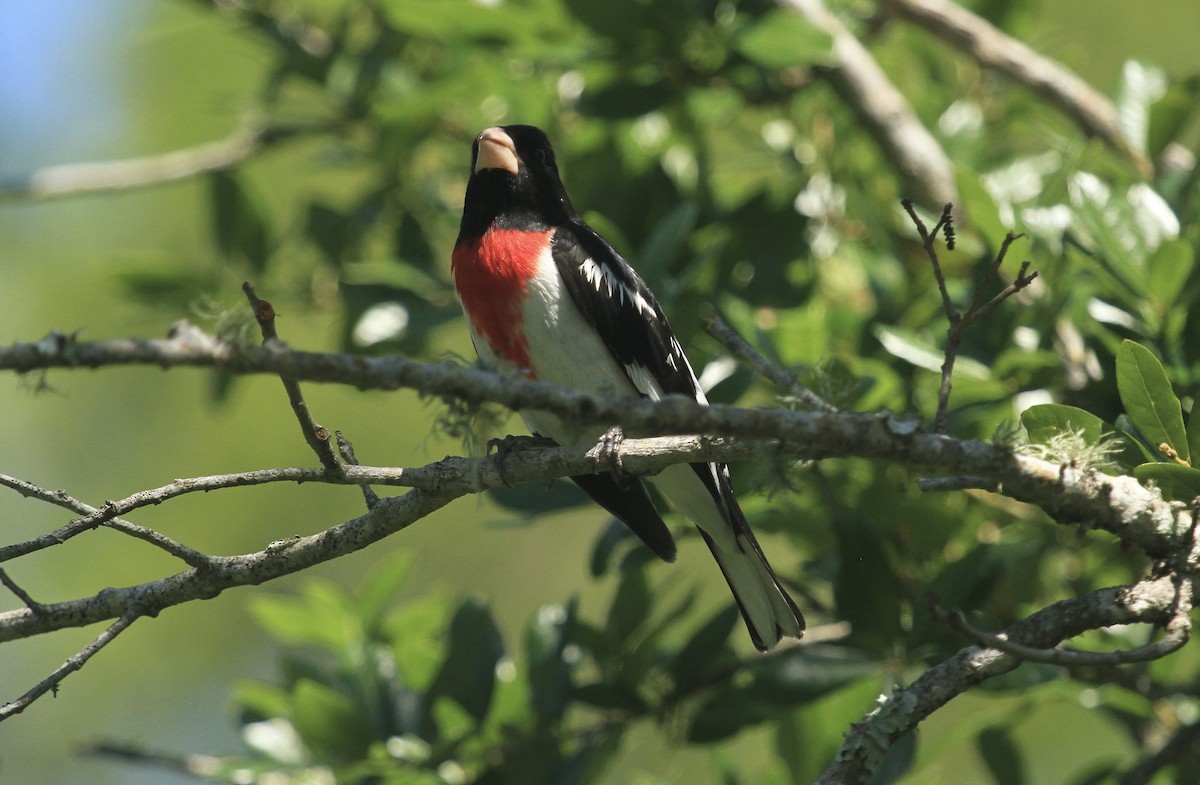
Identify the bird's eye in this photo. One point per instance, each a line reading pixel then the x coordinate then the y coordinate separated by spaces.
pixel 540 155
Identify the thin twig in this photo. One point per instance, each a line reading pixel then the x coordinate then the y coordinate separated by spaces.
pixel 73 663
pixel 93 517
pixel 978 309
pixel 928 238
pixel 1178 631
pixel 316 435
pixel 719 329
pixel 21 594
pixel 960 321
pixel 204 766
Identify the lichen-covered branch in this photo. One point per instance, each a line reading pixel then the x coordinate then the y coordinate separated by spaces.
pixel 1120 505
pixel 1148 602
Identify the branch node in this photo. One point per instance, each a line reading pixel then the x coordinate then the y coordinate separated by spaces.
pixel 33 605
pixel 346 450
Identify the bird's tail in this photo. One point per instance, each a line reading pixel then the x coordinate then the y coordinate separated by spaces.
pixel 706 498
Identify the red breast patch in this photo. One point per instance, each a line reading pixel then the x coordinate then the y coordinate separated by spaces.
pixel 492 274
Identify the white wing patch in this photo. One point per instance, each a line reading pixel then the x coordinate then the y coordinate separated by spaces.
pixel 644 381
pixel 676 355
pixel 602 277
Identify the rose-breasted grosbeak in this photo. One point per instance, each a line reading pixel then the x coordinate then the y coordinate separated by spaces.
pixel 546 296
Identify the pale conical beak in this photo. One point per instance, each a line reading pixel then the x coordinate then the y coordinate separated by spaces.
pixel 496 151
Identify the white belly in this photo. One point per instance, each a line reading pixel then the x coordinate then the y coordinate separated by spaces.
pixel 563 350
pixel 566 350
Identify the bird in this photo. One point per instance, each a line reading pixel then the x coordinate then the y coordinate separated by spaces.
pixel 547 298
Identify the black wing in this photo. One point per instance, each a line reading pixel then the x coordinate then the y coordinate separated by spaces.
pixel 613 298
pixel 630 503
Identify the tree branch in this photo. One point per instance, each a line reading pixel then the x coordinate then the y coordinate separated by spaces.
pixel 1049 79
pixel 924 167
pixel 1139 516
pixel 454 476
pixel 1150 601
pixel 316 435
pixel 104 516
pixel 280 558
pixel 1178 631
pixel 74 663
pixel 960 321
pixel 129 173
pixel 719 329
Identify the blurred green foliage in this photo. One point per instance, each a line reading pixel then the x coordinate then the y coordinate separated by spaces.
pixel 704 141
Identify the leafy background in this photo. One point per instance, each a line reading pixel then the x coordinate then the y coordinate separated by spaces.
pixel 697 137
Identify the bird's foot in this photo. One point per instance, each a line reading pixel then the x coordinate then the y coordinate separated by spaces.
pixel 608 449
pixel 499 449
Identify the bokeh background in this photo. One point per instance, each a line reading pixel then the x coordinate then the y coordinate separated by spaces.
pixel 82 80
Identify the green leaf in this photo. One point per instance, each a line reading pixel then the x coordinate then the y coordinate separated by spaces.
pixel 163 280
pixel 605 548
pixel 874 613
pixel 980 209
pixel 1141 86
pixel 1171 116
pixel 323 618
pixel 415 631
pixel 1167 270
pixel 1002 755
pixel 468 674
pixel 967 582
pixel 412 244
pixel 707 651
pixel 669 237
pixel 1149 400
pixel 329 722
pixel 239 221
pixel 1193 428
pixel 1029 675
pixel 619 20
pixel 921 352
pixel 630 607
pixel 1106 219
pixel 1181 483
pixel 1047 420
pixel 793 755
pixel 617 697
pixel 463 20
pixel 550 671
pixel 627 97
pixel 1125 427
pixel 781 39
pixel 724 713
pixel 256 701
pixel 538 498
pixel 379 590
pixel 802 674
pixel 330 231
